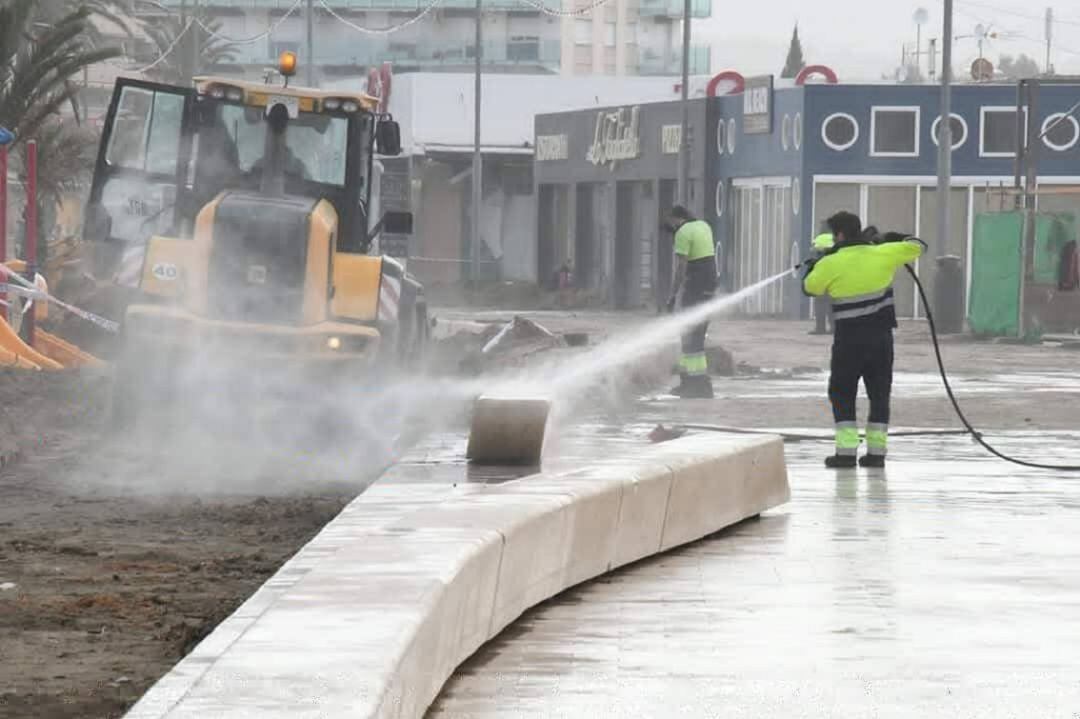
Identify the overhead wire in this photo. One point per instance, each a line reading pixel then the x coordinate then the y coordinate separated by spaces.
pixel 254 38
pixel 388 30
pixel 225 38
pixel 1019 13
pixel 165 53
pixel 539 5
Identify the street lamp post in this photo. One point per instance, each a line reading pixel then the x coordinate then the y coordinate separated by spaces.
pixel 477 164
pixel 945 129
pixel 684 132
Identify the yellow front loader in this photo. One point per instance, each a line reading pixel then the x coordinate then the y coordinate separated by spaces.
pixel 241 218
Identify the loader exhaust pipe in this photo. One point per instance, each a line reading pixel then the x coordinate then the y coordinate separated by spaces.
pixel 273 177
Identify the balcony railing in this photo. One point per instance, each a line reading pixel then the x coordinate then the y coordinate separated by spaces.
pixel 674 8
pixel 652 63
pixel 395 5
pixel 545 54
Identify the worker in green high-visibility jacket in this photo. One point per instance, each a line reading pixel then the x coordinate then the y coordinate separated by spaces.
pixel 857 275
pixel 822 314
pixel 695 276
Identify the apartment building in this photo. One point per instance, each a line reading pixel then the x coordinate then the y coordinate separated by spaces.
pixel 620 37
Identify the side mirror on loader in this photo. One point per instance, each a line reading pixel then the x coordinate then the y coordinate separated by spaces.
pixel 397 223
pixel 388 138
pixel 393 223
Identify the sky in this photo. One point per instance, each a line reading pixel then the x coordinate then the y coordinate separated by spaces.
pixel 862 39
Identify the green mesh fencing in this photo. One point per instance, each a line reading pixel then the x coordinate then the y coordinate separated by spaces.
pixel 994 304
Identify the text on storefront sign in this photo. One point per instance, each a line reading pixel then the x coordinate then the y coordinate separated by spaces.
pixel 615 137
pixel 552 147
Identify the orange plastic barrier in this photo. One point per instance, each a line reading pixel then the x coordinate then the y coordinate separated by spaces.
pixel 10 359
pixel 12 343
pixel 64 352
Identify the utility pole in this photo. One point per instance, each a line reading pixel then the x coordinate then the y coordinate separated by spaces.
pixel 195 49
pixel 309 61
pixel 918 48
pixel 684 132
pixel 477 163
pixel 1049 38
pixel 185 78
pixel 945 130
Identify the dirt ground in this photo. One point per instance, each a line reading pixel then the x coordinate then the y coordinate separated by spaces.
pixel 111 588
pixel 115 560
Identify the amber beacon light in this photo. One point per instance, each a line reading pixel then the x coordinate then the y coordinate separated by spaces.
pixel 287 63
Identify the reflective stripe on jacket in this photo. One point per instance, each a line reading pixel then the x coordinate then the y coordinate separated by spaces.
pixel 858 278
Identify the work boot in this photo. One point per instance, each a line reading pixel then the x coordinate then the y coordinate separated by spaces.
pixel 840 461
pixel 697 387
pixel 872 461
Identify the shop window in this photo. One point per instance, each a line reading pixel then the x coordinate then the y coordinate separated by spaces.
pixel 523 48
pixel 796 195
pixel 1060 132
pixel 957 126
pixel 609 34
pixel 583 32
pixel 731 136
pixel 997 131
pixel 785 132
pixel 894 132
pixel 839 131
pixel 721 136
pixel 796 131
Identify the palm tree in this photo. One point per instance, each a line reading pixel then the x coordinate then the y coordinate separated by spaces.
pixel 38 60
pixel 42 47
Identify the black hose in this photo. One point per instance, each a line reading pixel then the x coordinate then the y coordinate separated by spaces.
pixel 800 437
pixel 975 434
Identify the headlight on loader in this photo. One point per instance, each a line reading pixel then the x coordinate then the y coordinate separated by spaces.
pixel 335 344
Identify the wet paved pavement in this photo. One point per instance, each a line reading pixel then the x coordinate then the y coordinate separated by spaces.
pixel 946 586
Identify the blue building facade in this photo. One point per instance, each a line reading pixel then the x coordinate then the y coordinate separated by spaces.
pixel 771 178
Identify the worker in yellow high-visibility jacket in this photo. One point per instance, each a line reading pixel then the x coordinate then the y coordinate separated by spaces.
pixel 695 276
pixel 857 275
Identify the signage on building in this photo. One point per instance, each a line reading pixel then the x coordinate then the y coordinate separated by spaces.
pixel 757 105
pixel 552 147
pixel 670 139
pixel 615 138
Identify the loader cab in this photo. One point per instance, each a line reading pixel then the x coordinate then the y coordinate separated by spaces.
pixel 167 151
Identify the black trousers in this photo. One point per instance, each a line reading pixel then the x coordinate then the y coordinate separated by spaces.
pixel 693 340
pixel 867 356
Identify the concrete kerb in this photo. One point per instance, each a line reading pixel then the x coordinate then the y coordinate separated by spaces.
pixel 374 615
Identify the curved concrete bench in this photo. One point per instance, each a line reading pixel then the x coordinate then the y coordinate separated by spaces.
pixel 374 615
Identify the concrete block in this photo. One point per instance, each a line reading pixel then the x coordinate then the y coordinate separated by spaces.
pixel 373 616
pixel 508 430
pixel 592 524
pixel 642 513
pixel 718 482
pixel 536 542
